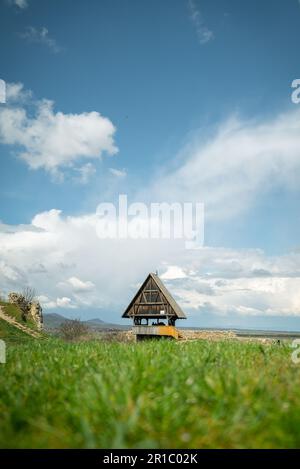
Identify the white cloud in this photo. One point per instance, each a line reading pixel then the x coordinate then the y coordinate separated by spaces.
pixel 46 302
pixel 85 173
pixel 79 285
pixel 240 163
pixel 244 282
pixel 40 36
pixel 10 273
pixel 64 302
pixel 70 267
pixel 53 140
pixel 204 34
pixel 22 4
pixel 119 173
pixel 173 272
pixel 15 92
pixel 2 92
pixel 77 264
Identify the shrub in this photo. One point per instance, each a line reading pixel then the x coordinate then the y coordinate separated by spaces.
pixel 73 329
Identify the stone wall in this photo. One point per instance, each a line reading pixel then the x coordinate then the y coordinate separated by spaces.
pixel 30 310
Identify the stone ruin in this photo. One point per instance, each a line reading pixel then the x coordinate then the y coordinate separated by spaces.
pixel 30 310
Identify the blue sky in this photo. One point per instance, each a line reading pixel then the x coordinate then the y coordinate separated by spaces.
pixel 168 76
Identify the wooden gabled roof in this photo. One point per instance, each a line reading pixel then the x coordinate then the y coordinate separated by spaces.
pixel 169 298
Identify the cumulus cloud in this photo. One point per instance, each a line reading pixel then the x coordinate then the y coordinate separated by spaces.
pixel 173 272
pixel 78 271
pixel 40 36
pixel 78 264
pixel 15 92
pixel 53 140
pixel 228 281
pixel 63 302
pixel 80 285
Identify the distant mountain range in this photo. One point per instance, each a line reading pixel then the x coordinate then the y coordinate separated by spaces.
pixel 54 320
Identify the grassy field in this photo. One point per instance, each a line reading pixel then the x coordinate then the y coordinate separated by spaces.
pixel 15 312
pixel 11 310
pixel 8 332
pixel 11 335
pixel 152 394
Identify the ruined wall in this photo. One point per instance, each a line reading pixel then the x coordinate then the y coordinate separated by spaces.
pixel 30 310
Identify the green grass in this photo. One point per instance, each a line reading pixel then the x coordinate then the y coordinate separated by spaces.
pixel 154 394
pixel 15 312
pixel 12 310
pixel 12 335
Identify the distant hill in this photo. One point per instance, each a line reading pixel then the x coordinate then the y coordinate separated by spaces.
pixel 54 320
pixel 95 321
